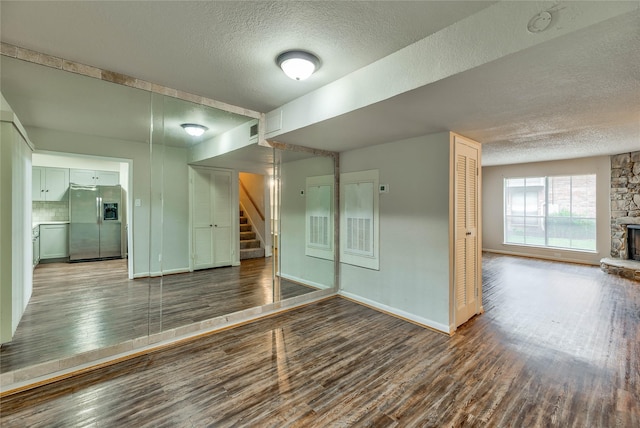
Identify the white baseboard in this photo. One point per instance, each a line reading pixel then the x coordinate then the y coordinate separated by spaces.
pixel 163 273
pixel 304 281
pixel 399 313
pixel 540 256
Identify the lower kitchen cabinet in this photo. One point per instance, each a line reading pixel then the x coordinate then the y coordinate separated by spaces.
pixel 54 241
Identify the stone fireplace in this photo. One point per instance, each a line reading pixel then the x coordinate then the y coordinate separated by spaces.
pixel 625 216
pixel 633 242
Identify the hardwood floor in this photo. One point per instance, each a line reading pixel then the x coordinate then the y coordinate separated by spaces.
pixel 78 307
pixel 558 345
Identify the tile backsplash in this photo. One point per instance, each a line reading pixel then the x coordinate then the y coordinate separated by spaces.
pixel 50 211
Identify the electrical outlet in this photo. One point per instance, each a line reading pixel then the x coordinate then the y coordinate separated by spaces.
pixel 138 203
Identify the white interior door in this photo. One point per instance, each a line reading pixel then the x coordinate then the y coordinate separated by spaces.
pixel 202 219
pixel 212 218
pixel 222 229
pixel 467 248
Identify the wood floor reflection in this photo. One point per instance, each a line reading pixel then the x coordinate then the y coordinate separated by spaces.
pixel 78 307
pixel 558 345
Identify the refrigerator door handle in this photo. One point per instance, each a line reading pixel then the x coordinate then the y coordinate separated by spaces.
pixel 99 211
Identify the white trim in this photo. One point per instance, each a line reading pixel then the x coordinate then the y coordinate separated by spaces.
pixel 304 281
pixel 399 312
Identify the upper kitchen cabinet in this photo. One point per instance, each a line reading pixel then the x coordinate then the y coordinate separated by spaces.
pixel 89 177
pixel 50 184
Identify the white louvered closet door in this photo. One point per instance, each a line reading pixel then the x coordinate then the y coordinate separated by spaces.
pixel 466 269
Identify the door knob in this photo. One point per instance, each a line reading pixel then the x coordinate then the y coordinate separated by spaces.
pixel 210 225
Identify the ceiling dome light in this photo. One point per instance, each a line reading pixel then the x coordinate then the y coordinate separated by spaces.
pixel 298 65
pixel 194 129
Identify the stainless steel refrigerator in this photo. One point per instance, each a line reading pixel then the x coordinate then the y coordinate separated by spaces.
pixel 95 226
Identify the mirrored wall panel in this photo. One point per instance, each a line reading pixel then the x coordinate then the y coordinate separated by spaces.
pixel 305 223
pixel 213 202
pixel 90 192
pixel 153 218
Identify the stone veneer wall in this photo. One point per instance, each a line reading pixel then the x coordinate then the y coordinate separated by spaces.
pixel 625 199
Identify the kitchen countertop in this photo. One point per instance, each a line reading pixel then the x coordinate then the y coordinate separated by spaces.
pixel 38 223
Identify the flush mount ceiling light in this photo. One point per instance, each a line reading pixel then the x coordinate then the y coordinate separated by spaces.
pixel 194 129
pixel 298 65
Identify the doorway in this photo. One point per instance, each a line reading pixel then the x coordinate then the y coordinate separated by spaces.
pixel 65 169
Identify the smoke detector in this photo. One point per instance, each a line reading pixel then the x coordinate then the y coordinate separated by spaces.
pixel 540 22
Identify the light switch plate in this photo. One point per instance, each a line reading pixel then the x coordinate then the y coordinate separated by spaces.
pixel 384 188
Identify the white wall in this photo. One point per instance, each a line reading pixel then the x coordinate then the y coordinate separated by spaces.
pixel 175 202
pixel 413 280
pixel 229 141
pixel 493 206
pixel 16 256
pixel 175 212
pixel 75 162
pixel 294 263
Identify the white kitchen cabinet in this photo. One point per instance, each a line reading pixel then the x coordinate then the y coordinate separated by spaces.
pixel 49 184
pixel 54 241
pixel 88 177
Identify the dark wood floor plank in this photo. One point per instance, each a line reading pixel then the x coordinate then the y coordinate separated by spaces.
pixel 80 307
pixel 558 345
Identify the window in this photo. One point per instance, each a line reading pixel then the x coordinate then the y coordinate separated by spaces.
pixel 557 212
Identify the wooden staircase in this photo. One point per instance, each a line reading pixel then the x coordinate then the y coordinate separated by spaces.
pixel 250 247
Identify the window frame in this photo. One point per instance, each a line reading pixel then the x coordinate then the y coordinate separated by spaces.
pixel 544 217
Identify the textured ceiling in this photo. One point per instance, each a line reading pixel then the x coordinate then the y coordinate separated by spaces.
pixel 576 95
pixel 44 97
pixel 225 50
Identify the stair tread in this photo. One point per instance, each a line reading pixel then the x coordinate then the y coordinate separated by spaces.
pixel 249 243
pixel 250 246
pixel 251 253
